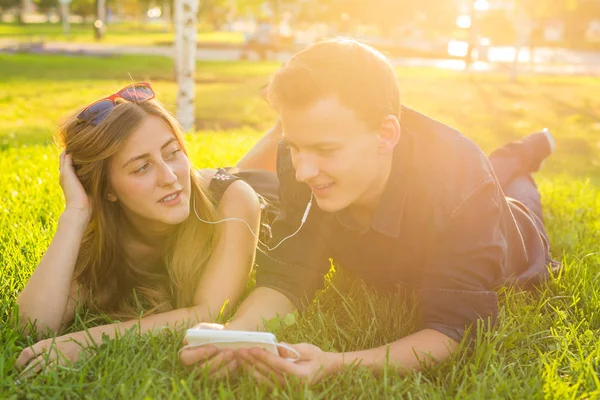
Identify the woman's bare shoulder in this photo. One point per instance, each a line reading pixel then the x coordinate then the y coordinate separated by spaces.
pixel 239 199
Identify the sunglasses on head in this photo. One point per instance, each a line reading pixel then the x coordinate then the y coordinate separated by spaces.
pixel 97 111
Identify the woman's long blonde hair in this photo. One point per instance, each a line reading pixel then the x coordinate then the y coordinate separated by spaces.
pixel 112 284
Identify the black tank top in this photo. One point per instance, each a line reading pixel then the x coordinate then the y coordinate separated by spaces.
pixel 219 184
pixel 265 185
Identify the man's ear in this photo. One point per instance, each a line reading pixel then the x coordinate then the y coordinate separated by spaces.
pixel 389 134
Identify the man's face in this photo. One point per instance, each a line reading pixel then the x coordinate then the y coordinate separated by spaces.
pixel 150 176
pixel 335 153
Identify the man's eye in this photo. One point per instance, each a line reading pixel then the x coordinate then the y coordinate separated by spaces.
pixel 326 151
pixel 173 153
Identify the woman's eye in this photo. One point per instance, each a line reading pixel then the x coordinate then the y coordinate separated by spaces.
pixel 291 146
pixel 142 168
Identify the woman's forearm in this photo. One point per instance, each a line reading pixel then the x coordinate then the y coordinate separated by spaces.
pixel 181 319
pixel 45 296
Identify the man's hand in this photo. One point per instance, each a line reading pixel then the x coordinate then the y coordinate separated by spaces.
pixel 314 364
pixel 218 363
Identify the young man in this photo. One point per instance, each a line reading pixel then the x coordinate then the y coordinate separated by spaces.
pixel 396 198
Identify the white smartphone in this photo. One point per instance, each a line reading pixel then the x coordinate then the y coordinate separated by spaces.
pixel 224 339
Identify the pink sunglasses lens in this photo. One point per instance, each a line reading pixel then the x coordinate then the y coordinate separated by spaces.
pixel 137 93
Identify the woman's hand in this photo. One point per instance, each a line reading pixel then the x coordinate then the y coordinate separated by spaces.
pixel 217 363
pixel 49 353
pixel 77 200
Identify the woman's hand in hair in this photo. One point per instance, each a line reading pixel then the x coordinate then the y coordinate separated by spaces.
pixel 77 200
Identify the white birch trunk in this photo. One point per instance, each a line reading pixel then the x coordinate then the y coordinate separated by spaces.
pixel 100 24
pixel 186 12
pixel 64 15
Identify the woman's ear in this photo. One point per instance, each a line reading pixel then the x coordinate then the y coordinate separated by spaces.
pixel 389 134
pixel 111 197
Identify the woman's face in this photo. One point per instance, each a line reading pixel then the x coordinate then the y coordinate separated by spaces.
pixel 150 177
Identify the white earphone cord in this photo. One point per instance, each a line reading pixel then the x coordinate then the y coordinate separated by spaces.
pixel 304 217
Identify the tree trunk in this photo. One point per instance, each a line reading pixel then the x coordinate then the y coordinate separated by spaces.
pixel 99 24
pixel 64 16
pixel 186 12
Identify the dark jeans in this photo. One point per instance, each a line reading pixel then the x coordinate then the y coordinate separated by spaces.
pixel 513 167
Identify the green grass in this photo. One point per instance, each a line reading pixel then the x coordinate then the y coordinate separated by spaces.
pixel 545 345
pixel 147 34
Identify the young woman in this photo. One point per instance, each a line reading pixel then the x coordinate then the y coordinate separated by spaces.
pixel 137 237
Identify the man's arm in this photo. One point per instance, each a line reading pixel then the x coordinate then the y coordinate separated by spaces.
pixel 421 349
pixel 263 155
pixel 413 352
pixel 261 305
pixel 458 287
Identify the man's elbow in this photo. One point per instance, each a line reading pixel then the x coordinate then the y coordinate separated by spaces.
pixel 418 351
pixel 437 347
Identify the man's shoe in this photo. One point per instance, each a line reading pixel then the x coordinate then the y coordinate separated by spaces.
pixel 538 146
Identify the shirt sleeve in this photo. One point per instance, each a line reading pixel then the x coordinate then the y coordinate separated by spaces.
pixel 460 279
pixel 296 267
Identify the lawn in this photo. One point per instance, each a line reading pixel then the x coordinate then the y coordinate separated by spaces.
pixel 545 345
pixel 134 34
